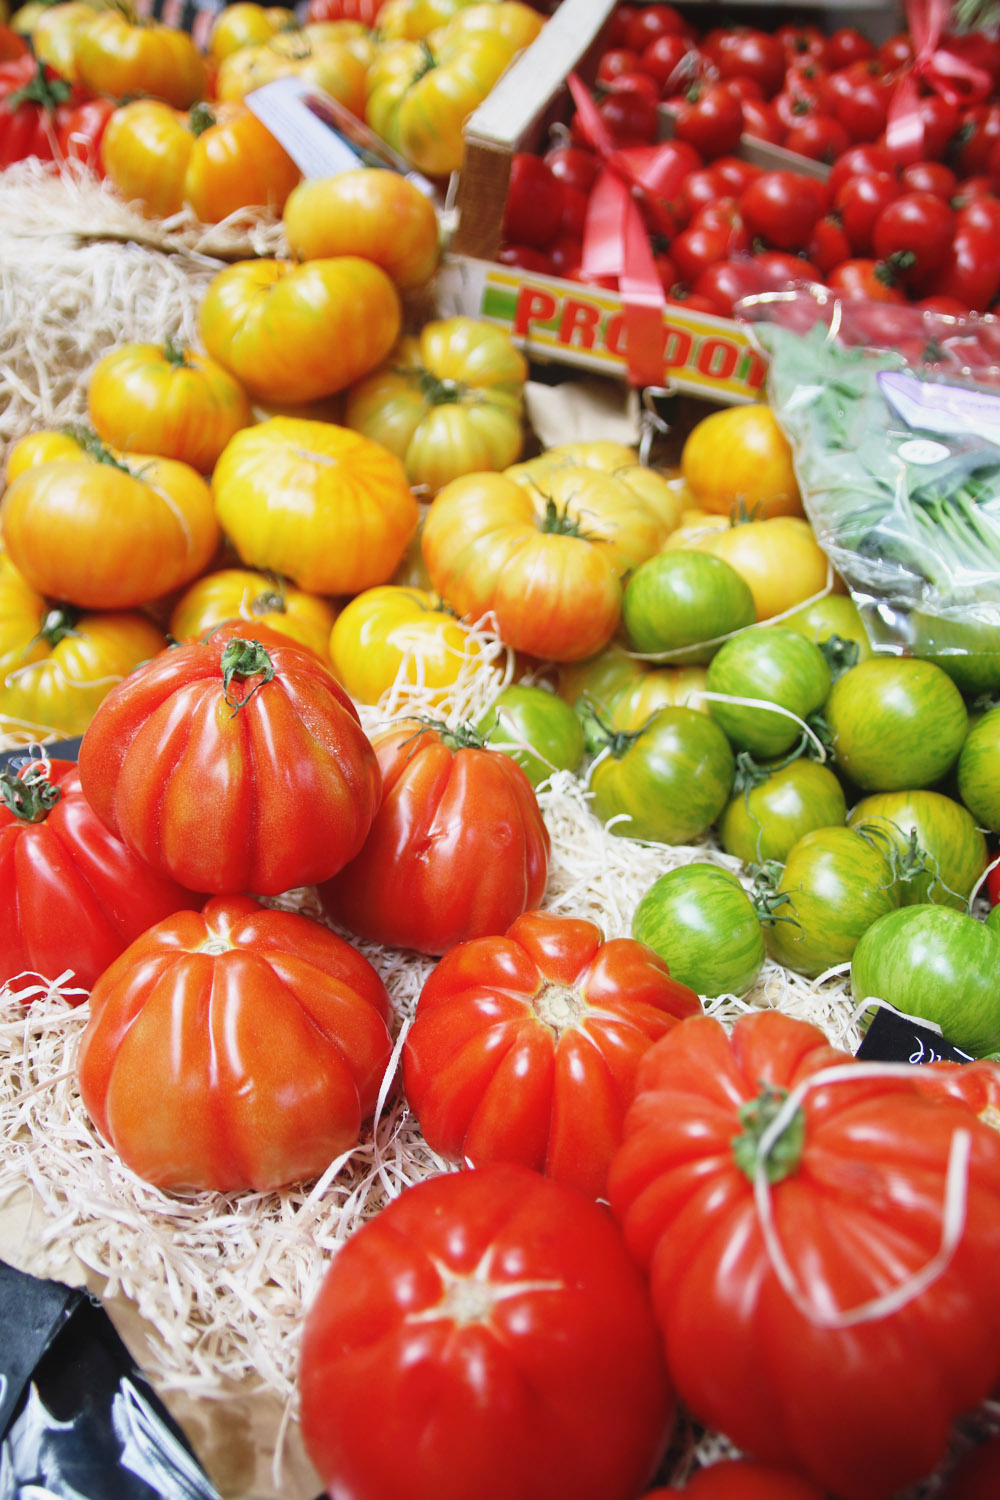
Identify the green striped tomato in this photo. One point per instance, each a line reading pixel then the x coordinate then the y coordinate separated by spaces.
pixel 943 832
pixel 777 666
pixel 895 723
pixel 668 782
pixel 702 922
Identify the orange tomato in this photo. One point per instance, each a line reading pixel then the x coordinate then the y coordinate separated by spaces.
pixel 119 54
pixel 243 594
pixel 739 460
pixel 347 214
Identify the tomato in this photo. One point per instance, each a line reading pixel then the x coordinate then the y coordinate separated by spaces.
pixel 818 136
pixel 782 207
pixel 935 834
pixel 832 618
pixel 671 59
pixel 681 603
pixel 177 403
pixel 865 158
pixel 493 1321
pixel 245 23
pixel 760 119
pixel 574 166
pixel 119 54
pixel 618 691
pixel 399 640
pixel 746 51
pixel 709 118
pixel 976 770
pixel 929 177
pixel 80 130
pixel 859 202
pixel 73 896
pixel 258 730
pixel 856 1208
pixel 970 271
pixel 238 1048
pixel 630 115
pixel 867 279
pixel 741 1479
pixel 242 594
pixel 739 456
pixel 896 723
pixel 524 1047
pixel 536 729
pixel 533 205
pixel 779 558
pixel 979 134
pixel 35 106
pixel 56 527
pixel 332 55
pixel 666 782
pixel 295 333
pixel 937 963
pixel 279 491
pixel 977 1473
pixel 447 401
pixel 836 882
pixel 767 665
pixel 861 103
pixel 773 806
pixel 53 36
pixel 346 212
pixel 457 850
pixel 701 922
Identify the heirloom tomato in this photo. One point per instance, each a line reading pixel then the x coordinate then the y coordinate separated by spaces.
pixel 895 723
pixel 495 1325
pixel 56 663
pixel 941 851
pixel 666 782
pixel 104 530
pixel 412 20
pixel 784 674
pixel 245 23
pixel 71 895
pixel 702 923
pixel 259 598
pixel 739 458
pixel 835 883
pixel 779 558
pixel 829 618
pixel 447 401
pixel 326 54
pixel 294 333
pixel 156 398
pixel 772 806
pixel 619 691
pixel 119 53
pixel 524 1047
pixel 315 503
pixel 978 770
pixel 535 728
pixel 235 1048
pixel 937 963
pixel 233 764
pixel 457 850
pixel 393 639
pixel 42 115
pixel 346 214
pixel 777 1330
pixel 681 604
pixel 741 1479
pixel 518 24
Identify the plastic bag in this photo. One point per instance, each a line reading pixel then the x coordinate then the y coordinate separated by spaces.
pixel 893 415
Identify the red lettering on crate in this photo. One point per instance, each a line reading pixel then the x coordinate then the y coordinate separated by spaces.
pixel 533 306
pixel 678 348
pixel 717 357
pixel 582 318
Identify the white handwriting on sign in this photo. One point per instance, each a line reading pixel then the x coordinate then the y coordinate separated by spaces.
pixel 924 1054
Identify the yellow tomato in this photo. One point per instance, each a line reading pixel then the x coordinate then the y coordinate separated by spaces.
pixel 518 24
pixel 400 639
pixel 331 62
pixel 57 665
pixel 447 401
pixel 412 20
pixel 177 403
pixel 739 460
pixel 315 503
pixel 694 528
pixel 40 448
pixel 779 558
pixel 120 54
pixel 661 493
pixel 347 214
pixel 598 504
pixel 246 24
pixel 242 594
pixel 294 333
pixel 621 692
pixel 53 38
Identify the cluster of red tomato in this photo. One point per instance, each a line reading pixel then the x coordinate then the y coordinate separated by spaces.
pixel 913 223
pixel 42 114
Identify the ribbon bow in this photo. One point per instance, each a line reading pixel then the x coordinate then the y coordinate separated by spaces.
pixel 615 237
pixel 945 72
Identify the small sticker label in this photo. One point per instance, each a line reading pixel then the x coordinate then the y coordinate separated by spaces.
pixel 895 1038
pixel 923 451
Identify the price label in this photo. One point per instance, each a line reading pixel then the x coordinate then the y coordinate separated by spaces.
pixel 894 1038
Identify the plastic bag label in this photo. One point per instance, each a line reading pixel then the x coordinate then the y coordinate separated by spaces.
pixel 942 408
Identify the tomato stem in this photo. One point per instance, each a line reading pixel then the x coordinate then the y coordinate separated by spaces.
pixel 785 1152
pixel 30 800
pixel 557 522
pixel 45 89
pixel 243 659
pixel 58 623
pixel 201 117
pixel 461 737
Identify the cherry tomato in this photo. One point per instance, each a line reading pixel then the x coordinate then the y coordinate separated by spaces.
pixel 749 52
pixel 780 268
pixel 651 21
pixel 980 131
pixel 694 249
pixel 671 60
pixel 725 282
pixel 863 277
pixel 929 177
pixel 782 207
pixel 733 174
pixel 915 230
pixel 534 202
pixel 760 120
pixel 859 161
pixel 940 121
pixel 576 166
pixel 565 252
pixel 818 136
pixel 802 41
pixel 615 61
pixel 709 118
pixel 699 189
pixel 633 83
pixel 829 244
pixel 631 117
pixel 846 45
pixel 896 51
pixel 859 201
pixel 573 215
pixel 525 256
pixel 862 103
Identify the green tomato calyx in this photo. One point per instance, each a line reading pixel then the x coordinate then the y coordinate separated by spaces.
pixel 29 800
pixel 780 1154
pixel 240 661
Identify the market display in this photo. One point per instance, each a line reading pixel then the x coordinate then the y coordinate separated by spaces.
pixel 500 998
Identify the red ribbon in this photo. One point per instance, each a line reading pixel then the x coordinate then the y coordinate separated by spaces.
pixel 615 237
pixel 943 71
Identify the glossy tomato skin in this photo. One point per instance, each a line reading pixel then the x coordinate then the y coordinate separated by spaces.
pixel 741 1479
pixel 701 922
pixel 280 761
pixel 72 896
pixel 681 602
pixel 933 961
pixel 835 884
pixel 345 214
pixel 743 1355
pixel 524 1047
pixel 235 1048
pixel 458 848
pixel 950 848
pixel 978 770
pixel 772 665
pixel 766 818
pixel 536 729
pixel 782 207
pixel 670 780
pixel 485 1334
pixel 896 723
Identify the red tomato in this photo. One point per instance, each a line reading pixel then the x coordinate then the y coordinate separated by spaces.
pixel 725 282
pixel 72 896
pixel 40 111
pixel 80 128
pixel 524 1047
pixel 746 51
pixel 859 201
pixel 741 1479
pixel 733 174
pixel 709 118
pixel 859 161
pixel 970 271
pixel 631 117
pixel 633 83
pixel 694 249
pixel 525 256
pixel 782 270
pixel 692 301
pixel 896 51
pixel 856 1182
pixel 980 131
pixel 829 244
pixel 12 44
pixel 818 136
pixel 916 231
pixel 940 122
pixel 861 103
pixel 650 21
pixel 487 1335
pixel 863 277
pixel 977 1474
pixel 615 61
pixel 782 207
pixel 566 251
pixel 572 213
pixel 760 120
pixel 458 848
pixel 233 764
pixel 575 166
pixel 801 41
pixel 534 202
pixel 671 60
pixel 929 177
pixel 846 45
pixel 698 190
pixel 235 1048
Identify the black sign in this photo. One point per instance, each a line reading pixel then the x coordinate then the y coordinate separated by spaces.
pixel 895 1038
